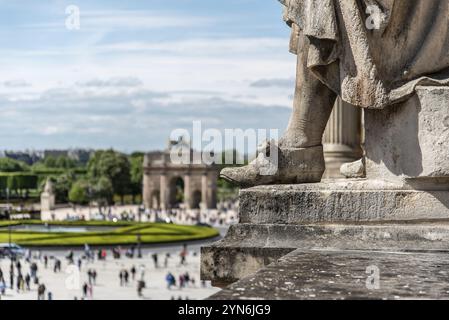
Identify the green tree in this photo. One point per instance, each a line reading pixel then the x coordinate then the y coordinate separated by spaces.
pixel 60 162
pixel 115 167
pixel 62 185
pixel 13 183
pixel 136 161
pixel 49 162
pixel 79 193
pixel 102 192
pixel 11 165
pixel 3 182
pixel 65 162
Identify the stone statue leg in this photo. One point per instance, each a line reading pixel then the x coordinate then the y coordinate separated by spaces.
pixel 300 152
pixel 312 107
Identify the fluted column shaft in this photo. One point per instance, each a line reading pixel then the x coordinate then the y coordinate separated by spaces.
pixel 342 138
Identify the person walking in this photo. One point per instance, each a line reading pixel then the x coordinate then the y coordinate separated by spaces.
pixel 85 290
pixel 126 276
pixel 11 277
pixel 87 251
pixel 186 279
pixel 90 291
pixel 89 276
pixel 33 270
pixel 19 267
pixel 121 276
pixel 70 257
pixel 140 287
pixel 171 281
pixel 41 292
pixel 167 256
pixel 28 281
pixel 181 281
pixel 155 260
pixel 45 261
pixel 103 254
pixel 2 287
pixel 20 283
pixel 133 272
pixel 183 255
pixel 58 265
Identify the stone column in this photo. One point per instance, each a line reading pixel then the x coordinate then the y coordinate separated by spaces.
pixel 212 191
pixel 204 197
pixel 342 138
pixel 164 192
pixel 187 192
pixel 147 196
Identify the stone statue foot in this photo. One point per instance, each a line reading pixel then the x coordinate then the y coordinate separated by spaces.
pixel 291 166
pixel 354 169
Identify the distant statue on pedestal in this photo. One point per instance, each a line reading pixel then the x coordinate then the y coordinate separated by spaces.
pixel 48 197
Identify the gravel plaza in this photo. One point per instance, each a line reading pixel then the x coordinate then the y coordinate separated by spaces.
pixel 64 285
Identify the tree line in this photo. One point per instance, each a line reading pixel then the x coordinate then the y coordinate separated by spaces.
pixel 108 173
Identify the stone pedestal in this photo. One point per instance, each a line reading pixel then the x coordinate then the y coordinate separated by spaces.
pixel 48 198
pixel 402 205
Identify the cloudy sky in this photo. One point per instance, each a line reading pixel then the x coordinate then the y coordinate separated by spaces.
pixel 136 70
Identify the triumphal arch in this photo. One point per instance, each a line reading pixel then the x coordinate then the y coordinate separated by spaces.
pixel 168 184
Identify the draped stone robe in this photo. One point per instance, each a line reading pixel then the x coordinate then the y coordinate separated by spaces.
pixel 373 65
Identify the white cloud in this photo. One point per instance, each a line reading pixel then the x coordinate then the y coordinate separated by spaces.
pixel 18 83
pixel 110 20
pixel 112 82
pixel 267 83
pixel 116 83
pixel 134 121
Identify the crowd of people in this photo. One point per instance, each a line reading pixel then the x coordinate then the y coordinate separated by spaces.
pixel 22 280
pixel 225 214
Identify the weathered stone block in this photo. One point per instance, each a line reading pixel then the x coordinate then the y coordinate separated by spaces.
pixel 409 140
pixel 341 201
pixel 250 247
pixel 342 274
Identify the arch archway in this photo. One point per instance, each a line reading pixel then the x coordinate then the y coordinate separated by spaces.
pixel 176 196
pixel 155 199
pixel 196 199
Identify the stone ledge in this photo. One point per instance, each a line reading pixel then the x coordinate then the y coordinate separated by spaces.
pixel 342 274
pixel 344 201
pixel 247 248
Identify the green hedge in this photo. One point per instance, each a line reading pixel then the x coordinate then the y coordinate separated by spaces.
pixel 18 181
pixel 57 172
pixel 3 182
pixel 126 233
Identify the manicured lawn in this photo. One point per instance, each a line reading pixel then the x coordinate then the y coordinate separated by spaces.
pixel 125 233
